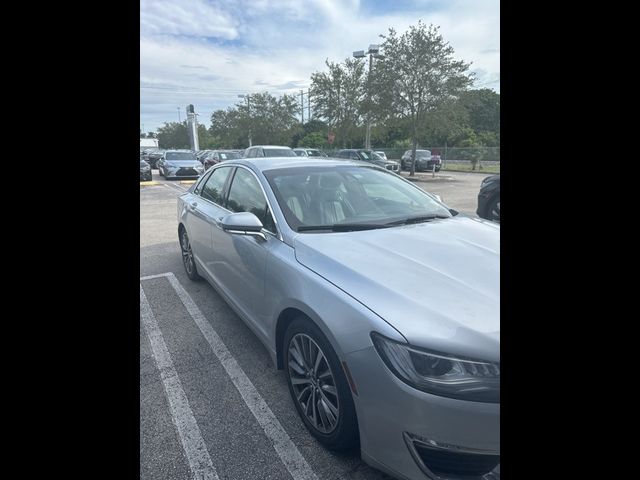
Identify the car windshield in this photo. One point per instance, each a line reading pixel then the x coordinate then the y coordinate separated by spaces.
pixel 370 155
pixel 422 153
pixel 180 156
pixel 229 155
pixel 320 196
pixel 278 152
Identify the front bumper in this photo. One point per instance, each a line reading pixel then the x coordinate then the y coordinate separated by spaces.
pixel 414 435
pixel 145 175
pixel 183 172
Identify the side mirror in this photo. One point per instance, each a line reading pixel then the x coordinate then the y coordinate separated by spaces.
pixel 243 223
pixel 438 197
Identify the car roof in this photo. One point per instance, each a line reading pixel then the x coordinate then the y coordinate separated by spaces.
pixel 269 146
pixel 269 163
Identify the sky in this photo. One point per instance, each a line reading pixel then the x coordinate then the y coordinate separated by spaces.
pixel 207 52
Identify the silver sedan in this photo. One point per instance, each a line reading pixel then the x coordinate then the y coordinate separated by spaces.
pixel 380 304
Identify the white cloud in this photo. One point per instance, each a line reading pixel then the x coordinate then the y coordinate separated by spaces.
pixel 197 18
pixel 275 45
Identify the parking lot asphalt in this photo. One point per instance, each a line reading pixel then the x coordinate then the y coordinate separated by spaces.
pixel 193 401
pixel 212 405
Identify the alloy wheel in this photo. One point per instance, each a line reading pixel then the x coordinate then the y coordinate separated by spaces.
pixel 313 383
pixel 187 254
pixel 495 211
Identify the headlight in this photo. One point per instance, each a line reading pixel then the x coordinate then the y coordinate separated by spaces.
pixel 439 374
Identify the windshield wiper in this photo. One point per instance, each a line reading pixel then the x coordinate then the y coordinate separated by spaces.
pixel 416 219
pixel 341 227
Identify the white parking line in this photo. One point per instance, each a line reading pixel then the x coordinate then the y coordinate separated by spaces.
pixel 151 277
pixel 284 447
pixel 175 188
pixel 192 442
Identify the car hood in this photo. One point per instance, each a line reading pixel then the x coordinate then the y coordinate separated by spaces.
pixel 183 163
pixel 437 283
pixel 384 163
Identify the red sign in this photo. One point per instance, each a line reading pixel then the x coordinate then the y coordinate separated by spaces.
pixel 331 137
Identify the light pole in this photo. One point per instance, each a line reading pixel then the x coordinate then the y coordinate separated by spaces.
pixel 308 94
pixel 372 52
pixel 248 113
pixel 179 121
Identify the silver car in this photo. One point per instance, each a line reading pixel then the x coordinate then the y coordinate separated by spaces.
pixel 179 164
pixel 381 305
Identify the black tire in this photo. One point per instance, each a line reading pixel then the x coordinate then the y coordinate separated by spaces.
pixel 438 169
pixel 188 261
pixel 492 211
pixel 344 433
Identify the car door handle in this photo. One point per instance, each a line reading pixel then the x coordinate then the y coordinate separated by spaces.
pixel 193 205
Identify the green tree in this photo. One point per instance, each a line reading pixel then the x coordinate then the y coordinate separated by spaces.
pixel 483 109
pixel 416 76
pixel 314 140
pixel 173 135
pixel 338 98
pixel 266 119
pixel 311 126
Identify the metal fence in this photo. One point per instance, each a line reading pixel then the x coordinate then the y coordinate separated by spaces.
pixel 486 155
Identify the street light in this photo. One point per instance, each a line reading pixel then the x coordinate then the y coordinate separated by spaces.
pixel 248 113
pixel 373 52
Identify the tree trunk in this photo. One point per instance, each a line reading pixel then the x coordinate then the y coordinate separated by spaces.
pixel 414 144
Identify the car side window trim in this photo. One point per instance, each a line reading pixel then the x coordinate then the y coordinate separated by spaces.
pixel 201 182
pixel 225 188
pixel 232 175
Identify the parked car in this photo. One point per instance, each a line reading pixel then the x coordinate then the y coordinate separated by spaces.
pixel 151 156
pixel 179 164
pixel 308 152
pixel 489 198
pixel 424 161
pixel 217 156
pixel 203 153
pixel 397 352
pixel 368 156
pixel 382 155
pixel 145 171
pixel 257 151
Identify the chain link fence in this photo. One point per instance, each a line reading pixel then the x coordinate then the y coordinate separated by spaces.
pixel 450 155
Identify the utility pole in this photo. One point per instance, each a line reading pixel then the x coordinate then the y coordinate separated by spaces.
pixel 248 114
pixel 373 51
pixel 309 104
pixel 179 121
pixel 192 124
pixel 302 105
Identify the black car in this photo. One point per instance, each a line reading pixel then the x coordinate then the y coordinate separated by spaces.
pixel 370 156
pixel 217 156
pixel 145 171
pixel 425 161
pixel 152 156
pixel 489 198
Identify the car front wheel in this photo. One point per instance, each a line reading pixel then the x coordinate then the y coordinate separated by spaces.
pixel 187 256
pixel 493 209
pixel 318 386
